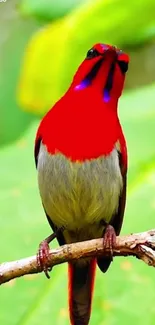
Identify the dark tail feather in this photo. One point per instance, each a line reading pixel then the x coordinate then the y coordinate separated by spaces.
pixel 104 263
pixel 81 283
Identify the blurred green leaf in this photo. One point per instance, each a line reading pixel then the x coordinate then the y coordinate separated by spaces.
pixel 14 35
pixel 137 111
pixel 126 293
pixel 49 64
pixel 47 9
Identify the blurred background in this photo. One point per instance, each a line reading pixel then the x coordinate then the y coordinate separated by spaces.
pixel 42 43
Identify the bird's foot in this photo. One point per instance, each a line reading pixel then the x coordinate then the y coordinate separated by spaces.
pixel 43 254
pixel 43 258
pixel 109 239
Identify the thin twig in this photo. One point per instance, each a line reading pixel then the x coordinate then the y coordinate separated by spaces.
pixel 141 245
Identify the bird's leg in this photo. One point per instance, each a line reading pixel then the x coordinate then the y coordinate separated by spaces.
pixel 109 238
pixel 43 253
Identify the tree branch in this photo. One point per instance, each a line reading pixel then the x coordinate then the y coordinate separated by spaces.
pixel 141 245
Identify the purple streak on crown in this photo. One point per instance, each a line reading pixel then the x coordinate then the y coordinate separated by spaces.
pixel 104 46
pixel 106 96
pixel 85 83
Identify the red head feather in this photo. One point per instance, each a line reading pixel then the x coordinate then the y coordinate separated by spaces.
pixel 84 124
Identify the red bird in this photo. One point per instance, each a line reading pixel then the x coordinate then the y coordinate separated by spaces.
pixel 81 159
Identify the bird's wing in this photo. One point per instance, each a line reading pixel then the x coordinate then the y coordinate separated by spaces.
pixel 117 219
pixel 60 236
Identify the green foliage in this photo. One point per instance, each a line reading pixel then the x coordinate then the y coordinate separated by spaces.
pixel 126 293
pixel 13 38
pixel 47 9
pixel 55 52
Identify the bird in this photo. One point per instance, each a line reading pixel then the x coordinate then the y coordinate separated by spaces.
pixel 81 160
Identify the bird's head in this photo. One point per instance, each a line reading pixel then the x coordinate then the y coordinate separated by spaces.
pixel 104 68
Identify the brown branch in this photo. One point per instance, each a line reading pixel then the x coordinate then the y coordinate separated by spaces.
pixel 141 245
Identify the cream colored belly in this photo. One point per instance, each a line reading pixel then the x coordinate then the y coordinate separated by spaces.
pixel 78 195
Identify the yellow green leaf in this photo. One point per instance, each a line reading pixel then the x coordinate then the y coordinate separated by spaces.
pixel 54 53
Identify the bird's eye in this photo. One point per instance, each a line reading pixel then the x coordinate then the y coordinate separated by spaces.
pixel 92 53
pixel 123 66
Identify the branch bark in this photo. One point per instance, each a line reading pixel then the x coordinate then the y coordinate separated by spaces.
pixel 141 245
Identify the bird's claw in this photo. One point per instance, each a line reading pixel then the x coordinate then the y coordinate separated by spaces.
pixel 109 239
pixel 43 258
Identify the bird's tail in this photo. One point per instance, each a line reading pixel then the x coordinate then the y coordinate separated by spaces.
pixel 81 283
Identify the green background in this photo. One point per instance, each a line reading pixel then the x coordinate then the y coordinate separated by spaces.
pixel 32 79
